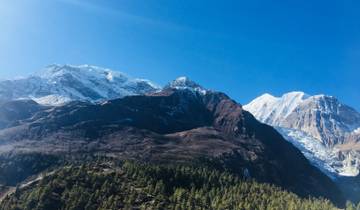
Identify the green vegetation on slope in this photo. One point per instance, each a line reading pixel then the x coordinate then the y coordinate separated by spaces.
pixel 16 168
pixel 138 186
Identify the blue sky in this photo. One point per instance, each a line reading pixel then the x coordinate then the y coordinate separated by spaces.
pixel 244 48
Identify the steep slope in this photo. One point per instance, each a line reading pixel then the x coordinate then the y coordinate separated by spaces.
pixel 178 124
pixel 334 161
pixel 13 111
pixel 325 118
pixel 309 119
pixel 59 84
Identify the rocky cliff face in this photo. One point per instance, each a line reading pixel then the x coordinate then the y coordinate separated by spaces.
pixel 325 118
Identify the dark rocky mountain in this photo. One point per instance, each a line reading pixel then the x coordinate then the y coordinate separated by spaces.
pixel 13 111
pixel 177 124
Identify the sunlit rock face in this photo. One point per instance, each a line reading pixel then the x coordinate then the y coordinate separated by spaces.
pixel 320 126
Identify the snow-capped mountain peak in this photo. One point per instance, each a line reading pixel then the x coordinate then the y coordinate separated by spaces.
pixel 261 107
pixel 186 83
pixel 272 110
pixel 58 84
pixel 55 71
pixel 266 96
pixel 303 119
pixel 321 116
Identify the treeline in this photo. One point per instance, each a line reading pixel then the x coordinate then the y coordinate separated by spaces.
pixel 138 186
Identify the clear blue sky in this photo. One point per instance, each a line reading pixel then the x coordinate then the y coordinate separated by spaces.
pixel 244 48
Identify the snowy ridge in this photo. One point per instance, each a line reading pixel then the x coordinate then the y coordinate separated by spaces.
pixel 272 110
pixel 321 116
pixel 186 83
pixel 59 84
pixel 315 125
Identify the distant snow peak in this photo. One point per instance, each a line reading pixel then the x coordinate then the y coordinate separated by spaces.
pixel 272 110
pixel 182 79
pixel 185 83
pixel 291 100
pixel 58 84
pixel 321 116
pixel 57 71
pixel 314 124
pixel 267 96
pixel 295 95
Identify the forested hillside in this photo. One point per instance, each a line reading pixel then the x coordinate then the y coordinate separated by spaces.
pixel 104 185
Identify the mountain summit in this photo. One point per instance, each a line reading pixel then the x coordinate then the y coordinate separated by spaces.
pixel 182 83
pixel 321 116
pixel 320 126
pixel 58 84
pixel 273 110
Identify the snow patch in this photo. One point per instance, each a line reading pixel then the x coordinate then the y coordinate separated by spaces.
pixel 51 100
pixel 109 77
